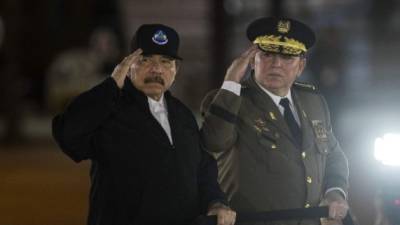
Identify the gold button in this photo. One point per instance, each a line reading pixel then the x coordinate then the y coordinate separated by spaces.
pixel 273 146
pixel 309 180
pixel 277 135
pixel 303 155
pixel 307 205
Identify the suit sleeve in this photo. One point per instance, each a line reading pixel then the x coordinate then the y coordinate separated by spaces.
pixel 210 191
pixel 337 168
pixel 218 132
pixel 74 129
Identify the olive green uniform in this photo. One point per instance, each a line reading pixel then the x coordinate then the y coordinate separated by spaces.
pixel 260 166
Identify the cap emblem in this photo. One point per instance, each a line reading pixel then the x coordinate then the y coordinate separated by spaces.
pixel 160 38
pixel 283 26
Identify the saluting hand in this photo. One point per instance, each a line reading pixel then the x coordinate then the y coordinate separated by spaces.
pixel 121 70
pixel 237 69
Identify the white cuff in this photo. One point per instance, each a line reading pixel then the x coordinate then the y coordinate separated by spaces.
pixel 337 189
pixel 232 86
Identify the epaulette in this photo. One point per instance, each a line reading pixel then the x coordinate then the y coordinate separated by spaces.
pixel 305 86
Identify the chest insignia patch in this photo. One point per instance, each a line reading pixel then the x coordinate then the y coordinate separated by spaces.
pixel 319 129
pixel 259 125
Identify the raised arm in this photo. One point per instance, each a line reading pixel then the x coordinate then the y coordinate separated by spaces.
pixel 75 128
pixel 221 108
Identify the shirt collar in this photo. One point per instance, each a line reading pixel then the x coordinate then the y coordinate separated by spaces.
pixel 154 105
pixel 277 98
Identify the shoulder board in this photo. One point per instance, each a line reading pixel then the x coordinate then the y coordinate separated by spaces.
pixel 305 86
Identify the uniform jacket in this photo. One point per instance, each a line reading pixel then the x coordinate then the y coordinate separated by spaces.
pixel 261 166
pixel 137 176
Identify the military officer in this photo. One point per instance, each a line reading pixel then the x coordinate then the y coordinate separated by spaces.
pixel 273 136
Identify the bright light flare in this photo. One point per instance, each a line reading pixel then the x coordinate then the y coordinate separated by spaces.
pixel 387 149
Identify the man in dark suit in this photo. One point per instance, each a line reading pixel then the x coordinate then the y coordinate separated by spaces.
pixel 148 166
pixel 274 140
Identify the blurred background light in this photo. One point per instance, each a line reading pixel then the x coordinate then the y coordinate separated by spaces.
pixel 387 149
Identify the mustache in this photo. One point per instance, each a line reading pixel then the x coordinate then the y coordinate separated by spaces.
pixel 275 74
pixel 154 79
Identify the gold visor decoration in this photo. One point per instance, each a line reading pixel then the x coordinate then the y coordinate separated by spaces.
pixel 273 43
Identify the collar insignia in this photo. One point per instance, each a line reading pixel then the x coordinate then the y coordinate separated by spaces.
pixel 272 116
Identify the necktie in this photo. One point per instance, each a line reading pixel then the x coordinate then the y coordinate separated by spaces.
pixel 291 122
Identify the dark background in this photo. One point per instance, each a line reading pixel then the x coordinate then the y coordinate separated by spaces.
pixel 354 63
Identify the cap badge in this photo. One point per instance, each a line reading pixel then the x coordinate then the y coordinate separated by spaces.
pixel 160 38
pixel 283 26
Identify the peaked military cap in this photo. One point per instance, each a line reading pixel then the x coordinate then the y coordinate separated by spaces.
pixel 156 39
pixel 281 35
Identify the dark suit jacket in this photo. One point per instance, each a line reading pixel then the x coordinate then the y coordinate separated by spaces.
pixel 261 166
pixel 137 176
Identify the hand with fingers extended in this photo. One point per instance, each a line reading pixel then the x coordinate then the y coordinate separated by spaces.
pixel 338 207
pixel 121 70
pixel 237 69
pixel 225 215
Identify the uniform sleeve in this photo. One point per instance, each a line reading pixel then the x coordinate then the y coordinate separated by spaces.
pixel 218 132
pixel 337 168
pixel 74 129
pixel 210 191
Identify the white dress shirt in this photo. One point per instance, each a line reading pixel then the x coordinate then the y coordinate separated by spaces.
pixel 159 110
pixel 277 99
pixel 235 88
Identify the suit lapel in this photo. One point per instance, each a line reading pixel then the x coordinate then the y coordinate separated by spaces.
pixel 151 124
pixel 172 116
pixel 156 130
